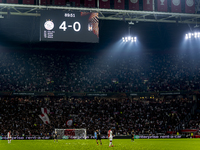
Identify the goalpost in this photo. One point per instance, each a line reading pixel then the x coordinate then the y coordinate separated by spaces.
pixel 71 133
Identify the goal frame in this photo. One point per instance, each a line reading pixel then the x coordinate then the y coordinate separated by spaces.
pixel 76 136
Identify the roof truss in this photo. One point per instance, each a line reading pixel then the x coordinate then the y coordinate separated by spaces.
pixel 106 14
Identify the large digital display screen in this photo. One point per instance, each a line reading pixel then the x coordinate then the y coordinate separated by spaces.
pixel 57 25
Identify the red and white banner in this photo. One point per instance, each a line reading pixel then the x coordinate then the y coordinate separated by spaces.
pixel 76 2
pixel 69 123
pixel 45 110
pixel 133 4
pixel 44 2
pixel 45 118
pixel 190 6
pixel 104 4
pixel 119 4
pixel 60 2
pixel 148 5
pixel 162 5
pixel 89 3
pixel 176 6
pixel 12 1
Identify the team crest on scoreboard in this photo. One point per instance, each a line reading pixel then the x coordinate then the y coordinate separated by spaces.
pixel 176 2
pixel 190 3
pixel 49 25
pixel 134 1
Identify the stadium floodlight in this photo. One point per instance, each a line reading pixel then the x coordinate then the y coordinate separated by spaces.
pixel 192 35
pixel 189 35
pixel 129 39
pixel 186 36
pixel 195 35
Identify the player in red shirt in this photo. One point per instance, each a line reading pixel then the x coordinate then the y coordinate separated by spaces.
pixel 110 137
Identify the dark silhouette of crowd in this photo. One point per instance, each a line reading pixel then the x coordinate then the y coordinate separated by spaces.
pixel 145 116
pixel 81 72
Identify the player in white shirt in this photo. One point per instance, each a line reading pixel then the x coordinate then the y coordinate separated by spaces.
pixel 9 137
pixel 110 136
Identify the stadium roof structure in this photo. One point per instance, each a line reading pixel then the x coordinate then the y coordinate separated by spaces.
pixel 107 14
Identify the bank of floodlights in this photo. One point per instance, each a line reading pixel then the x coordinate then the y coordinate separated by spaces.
pixel 195 35
pixel 129 39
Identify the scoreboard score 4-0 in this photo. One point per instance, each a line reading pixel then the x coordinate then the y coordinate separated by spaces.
pixel 69 26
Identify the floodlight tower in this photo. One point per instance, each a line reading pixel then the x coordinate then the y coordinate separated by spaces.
pixel 195 34
pixel 129 38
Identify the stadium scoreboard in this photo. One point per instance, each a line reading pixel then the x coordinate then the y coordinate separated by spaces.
pixel 69 26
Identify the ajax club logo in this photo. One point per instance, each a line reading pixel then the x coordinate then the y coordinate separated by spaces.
pixel 176 2
pixel 49 25
pixel 134 1
pixel 190 3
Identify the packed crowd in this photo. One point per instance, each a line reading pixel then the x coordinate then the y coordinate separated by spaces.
pixel 50 71
pixel 194 122
pixel 20 115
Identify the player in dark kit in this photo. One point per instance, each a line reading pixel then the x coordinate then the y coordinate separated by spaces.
pixel 98 137
pixel 56 137
pixel 132 136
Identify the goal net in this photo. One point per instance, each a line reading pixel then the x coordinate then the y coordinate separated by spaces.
pixel 71 133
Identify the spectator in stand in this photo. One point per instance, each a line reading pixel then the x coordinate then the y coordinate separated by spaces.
pixel 20 115
pixel 80 72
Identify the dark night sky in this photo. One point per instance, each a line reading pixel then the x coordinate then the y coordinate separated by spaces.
pixel 21 31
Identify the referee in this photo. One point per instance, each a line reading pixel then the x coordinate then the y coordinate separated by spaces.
pixel 132 136
pixel 98 137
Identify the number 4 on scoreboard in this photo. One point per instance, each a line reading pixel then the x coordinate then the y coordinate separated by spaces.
pixel 63 26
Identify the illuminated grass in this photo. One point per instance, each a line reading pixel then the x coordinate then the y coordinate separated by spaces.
pixel 139 144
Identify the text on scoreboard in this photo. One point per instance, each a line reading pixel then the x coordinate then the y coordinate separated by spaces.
pixel 69 26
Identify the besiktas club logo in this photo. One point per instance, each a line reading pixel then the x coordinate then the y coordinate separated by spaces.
pixel 49 25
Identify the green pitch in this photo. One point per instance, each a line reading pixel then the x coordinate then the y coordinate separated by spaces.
pixel 139 144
